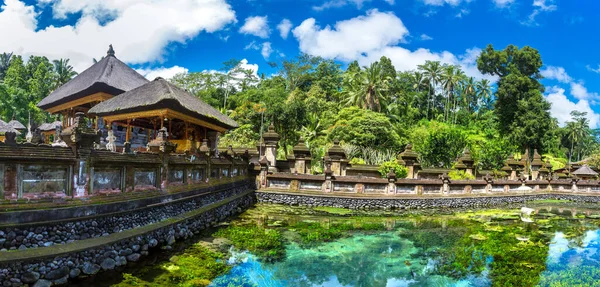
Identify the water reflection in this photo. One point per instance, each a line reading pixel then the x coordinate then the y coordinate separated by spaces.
pixel 555 246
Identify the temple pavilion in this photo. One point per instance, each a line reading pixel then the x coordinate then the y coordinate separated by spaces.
pixel 129 109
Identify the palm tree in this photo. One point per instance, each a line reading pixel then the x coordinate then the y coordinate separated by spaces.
pixel 451 78
pixel 367 87
pixel 484 92
pixel 432 71
pixel 63 71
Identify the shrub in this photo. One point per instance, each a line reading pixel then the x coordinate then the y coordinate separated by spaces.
pixel 357 160
pixel 460 175
pixel 400 170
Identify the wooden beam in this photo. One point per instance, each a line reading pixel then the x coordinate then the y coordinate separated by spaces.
pixel 166 113
pixel 128 131
pixel 97 97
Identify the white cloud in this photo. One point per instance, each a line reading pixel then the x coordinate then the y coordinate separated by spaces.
pixel 443 2
pixel 266 50
pixel 348 39
pixel 562 107
pixel 138 30
pixel 165 73
pixel 503 3
pixel 367 38
pixel 539 6
pixel 425 37
pixel 257 26
pixel 579 91
pixel 556 73
pixel 284 28
pixel 543 6
pixel 597 70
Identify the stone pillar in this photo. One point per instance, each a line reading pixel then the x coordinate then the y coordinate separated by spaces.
pixel 574 184
pixel 81 138
pixel 410 159
pixel 328 184
pixel 301 160
pixel 536 165
pixel 264 170
pixel 467 161
pixel 489 180
pixel 338 159
pixel 446 183
pixel 271 142
pixel 213 142
pixel 391 176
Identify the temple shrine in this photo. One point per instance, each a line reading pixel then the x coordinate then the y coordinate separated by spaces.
pixel 129 110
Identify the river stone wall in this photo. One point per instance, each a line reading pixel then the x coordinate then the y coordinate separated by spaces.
pixel 60 269
pixel 47 234
pixel 416 203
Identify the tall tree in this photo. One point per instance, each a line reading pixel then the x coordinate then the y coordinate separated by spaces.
pixel 367 87
pixel 64 72
pixel 5 59
pixel 450 78
pixel 432 71
pixel 523 112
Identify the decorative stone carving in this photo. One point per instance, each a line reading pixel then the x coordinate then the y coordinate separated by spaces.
pixel 79 136
pixel 10 138
pixel 161 143
pixel 111 141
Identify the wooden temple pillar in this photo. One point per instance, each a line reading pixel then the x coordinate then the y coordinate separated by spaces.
pixel 127 144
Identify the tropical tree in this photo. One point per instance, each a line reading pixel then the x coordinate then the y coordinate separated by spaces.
pixel 432 71
pixel 366 88
pixel 63 72
pixel 484 93
pixel 450 78
pixel 5 59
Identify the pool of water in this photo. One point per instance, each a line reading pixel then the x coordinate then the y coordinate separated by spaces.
pixel 557 245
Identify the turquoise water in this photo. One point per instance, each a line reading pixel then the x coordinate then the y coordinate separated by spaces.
pixel 554 247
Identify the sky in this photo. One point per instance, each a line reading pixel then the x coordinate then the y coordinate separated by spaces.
pixel 165 37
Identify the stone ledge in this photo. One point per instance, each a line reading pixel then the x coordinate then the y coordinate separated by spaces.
pixel 353 202
pixel 82 245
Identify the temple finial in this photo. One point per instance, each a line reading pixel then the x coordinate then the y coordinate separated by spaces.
pixel 111 51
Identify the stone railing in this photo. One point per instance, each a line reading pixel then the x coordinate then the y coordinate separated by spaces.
pixel 414 187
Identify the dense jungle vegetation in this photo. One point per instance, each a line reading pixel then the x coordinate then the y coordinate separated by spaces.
pixel 374 110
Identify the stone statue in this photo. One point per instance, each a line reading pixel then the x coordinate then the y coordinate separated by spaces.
pixel 29 135
pixel 10 138
pixel 37 137
pixel 111 142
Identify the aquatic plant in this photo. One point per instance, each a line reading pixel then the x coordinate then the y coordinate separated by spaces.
pixel 267 244
pixel 196 266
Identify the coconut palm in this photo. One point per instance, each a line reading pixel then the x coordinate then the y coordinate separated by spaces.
pixel 484 93
pixel 63 71
pixel 432 71
pixel 451 78
pixel 367 87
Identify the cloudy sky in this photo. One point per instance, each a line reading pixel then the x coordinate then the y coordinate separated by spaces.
pixel 164 37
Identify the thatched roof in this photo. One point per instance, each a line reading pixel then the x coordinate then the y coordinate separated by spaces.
pixel 585 170
pixel 16 125
pixel 108 75
pixel 46 127
pixel 160 94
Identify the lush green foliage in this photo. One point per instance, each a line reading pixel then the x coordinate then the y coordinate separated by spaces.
pixel 265 243
pixel 195 266
pixel 400 170
pixel 375 108
pixel 460 175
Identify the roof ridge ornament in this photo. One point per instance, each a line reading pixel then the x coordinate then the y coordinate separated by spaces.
pixel 111 51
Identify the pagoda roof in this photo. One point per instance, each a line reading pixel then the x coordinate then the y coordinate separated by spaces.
pixel 16 125
pixel 585 170
pixel 46 127
pixel 160 94
pixel 108 75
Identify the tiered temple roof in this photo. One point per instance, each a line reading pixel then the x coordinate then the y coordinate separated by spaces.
pixel 104 79
pixel 163 97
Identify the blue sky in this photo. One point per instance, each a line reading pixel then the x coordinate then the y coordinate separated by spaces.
pixel 162 37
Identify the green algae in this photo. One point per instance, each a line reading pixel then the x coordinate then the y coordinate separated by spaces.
pixel 196 266
pixel 268 244
pixel 333 210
